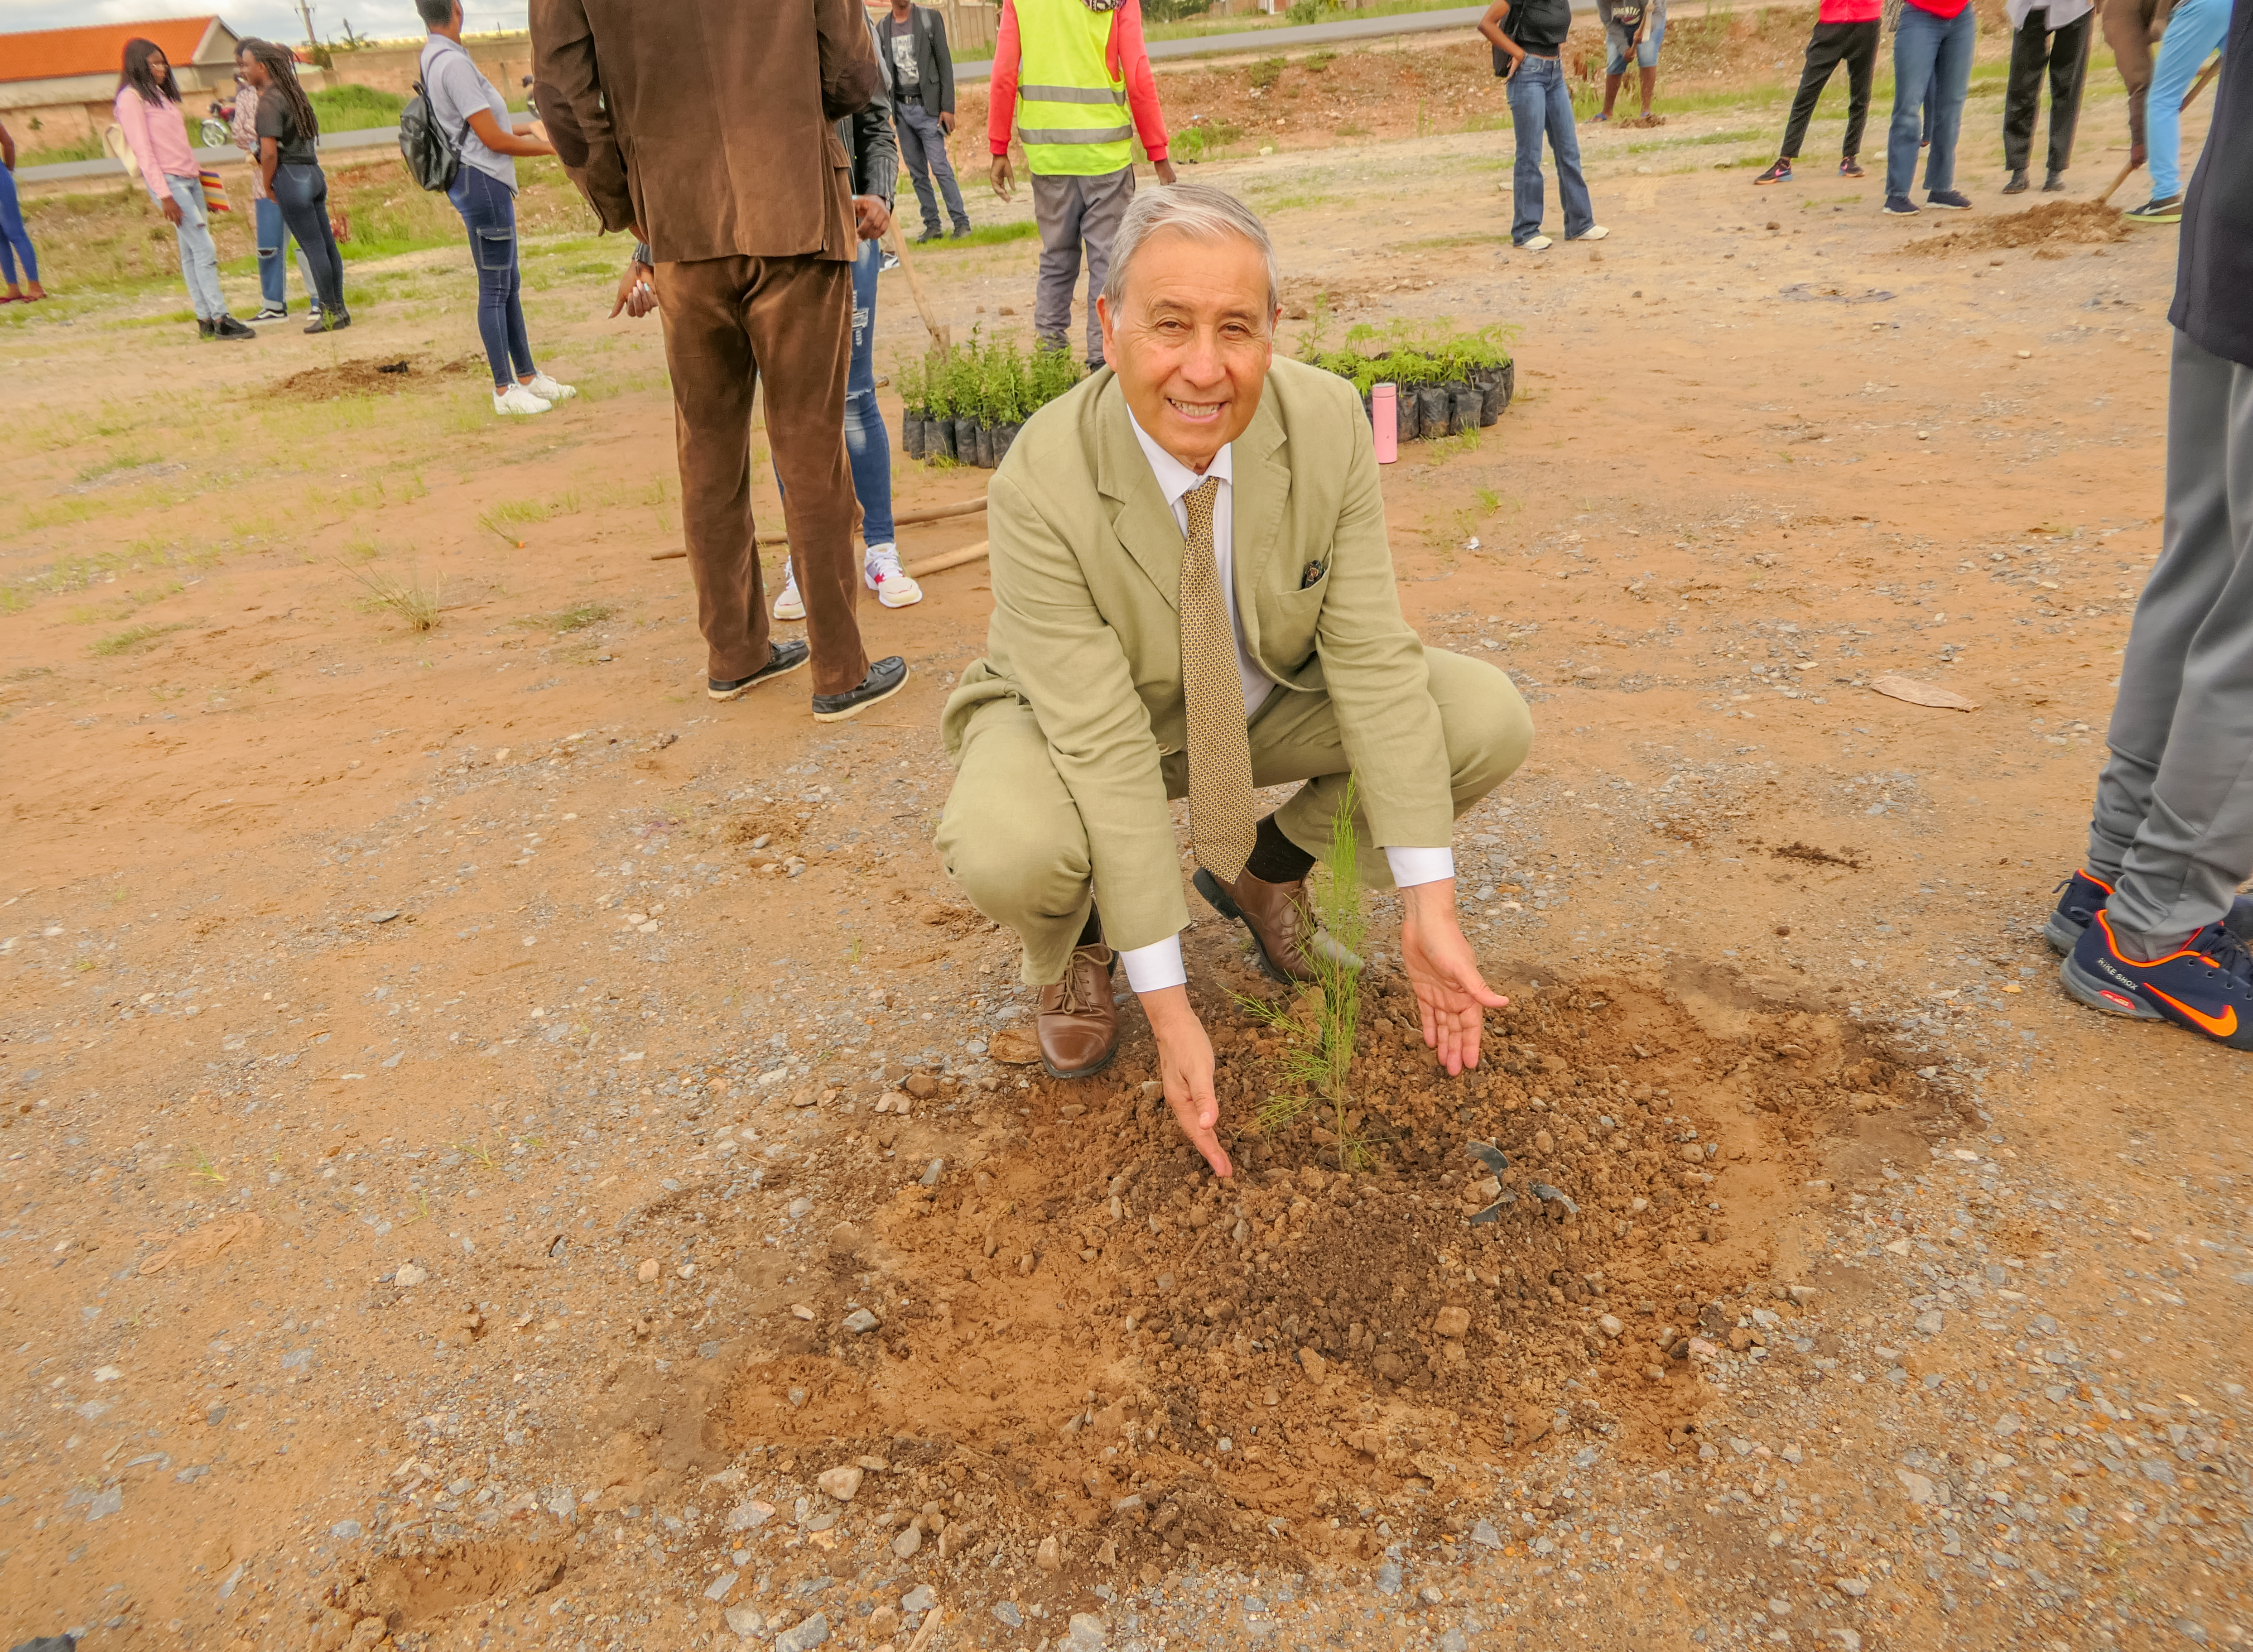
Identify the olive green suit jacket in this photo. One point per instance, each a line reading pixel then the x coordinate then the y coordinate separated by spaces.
pixel 1086 562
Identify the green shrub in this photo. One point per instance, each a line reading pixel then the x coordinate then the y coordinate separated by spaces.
pixel 990 379
pixel 1407 353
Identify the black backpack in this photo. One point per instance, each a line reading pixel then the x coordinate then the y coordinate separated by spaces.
pixel 1538 26
pixel 433 158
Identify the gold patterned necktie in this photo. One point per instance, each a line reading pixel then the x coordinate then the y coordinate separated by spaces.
pixel 1219 742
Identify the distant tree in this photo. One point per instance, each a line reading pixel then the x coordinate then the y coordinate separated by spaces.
pixel 1174 11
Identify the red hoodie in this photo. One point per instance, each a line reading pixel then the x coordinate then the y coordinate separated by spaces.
pixel 1850 11
pixel 1128 56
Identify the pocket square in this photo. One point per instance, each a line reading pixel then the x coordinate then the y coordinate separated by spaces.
pixel 1314 573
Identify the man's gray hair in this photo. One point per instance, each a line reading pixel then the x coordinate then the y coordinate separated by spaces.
pixel 1198 210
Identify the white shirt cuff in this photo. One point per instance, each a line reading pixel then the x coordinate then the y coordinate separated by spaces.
pixel 1154 967
pixel 1411 867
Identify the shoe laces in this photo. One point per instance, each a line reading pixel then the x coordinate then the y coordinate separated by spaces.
pixel 2226 953
pixel 1073 1000
pixel 883 563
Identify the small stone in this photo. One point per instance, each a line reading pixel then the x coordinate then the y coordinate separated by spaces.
pixel 1800 1294
pixel 1451 1322
pixel 746 1621
pixel 843 1484
pixel 932 1171
pixel 1388 1577
pixel 1611 1325
pixel 717 1590
pixel 922 1086
pixel 1311 1362
pixel 909 1543
pixel 1132 1503
pixel 922 1597
pixel 860 1321
pixel 884 1623
pixel 647 1271
pixel 1006 1612
pixel 1431 1595
pixel 1931 1322
pixel 801 1310
pixel 1854 1587
pixel 1485 1536
pixel 803 1637
pixel 1085 1633
pixel 892 1101
pixel 800 1206
pixel 1050 1556
pixel 410 1274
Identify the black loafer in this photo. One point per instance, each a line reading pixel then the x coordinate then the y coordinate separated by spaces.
pixel 886 678
pixel 782 659
pixel 228 327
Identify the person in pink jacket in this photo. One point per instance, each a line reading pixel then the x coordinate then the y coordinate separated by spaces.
pixel 1846 32
pixel 149 114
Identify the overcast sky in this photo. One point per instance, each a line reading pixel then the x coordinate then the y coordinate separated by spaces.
pixel 383 20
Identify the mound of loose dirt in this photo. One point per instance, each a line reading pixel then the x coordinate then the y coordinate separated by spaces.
pixel 1079 1328
pixel 2052 224
pixel 372 376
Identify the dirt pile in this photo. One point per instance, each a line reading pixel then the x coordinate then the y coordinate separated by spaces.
pixel 2051 226
pixel 372 375
pixel 1058 1325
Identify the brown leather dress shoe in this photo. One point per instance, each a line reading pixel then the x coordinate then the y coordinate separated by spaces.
pixel 1282 923
pixel 1078 1025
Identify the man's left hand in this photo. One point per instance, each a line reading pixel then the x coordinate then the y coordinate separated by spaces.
pixel 870 216
pixel 1165 170
pixel 636 296
pixel 1450 992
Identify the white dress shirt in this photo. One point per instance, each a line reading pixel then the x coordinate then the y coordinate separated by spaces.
pixel 1158 966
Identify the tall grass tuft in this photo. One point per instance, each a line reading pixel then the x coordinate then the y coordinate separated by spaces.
pixel 405 598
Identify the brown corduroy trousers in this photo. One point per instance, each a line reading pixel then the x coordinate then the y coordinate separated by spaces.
pixel 730 322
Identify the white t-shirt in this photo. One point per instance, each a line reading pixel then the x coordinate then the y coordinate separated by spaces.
pixel 456 89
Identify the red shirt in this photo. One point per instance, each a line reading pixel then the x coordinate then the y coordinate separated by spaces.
pixel 1126 56
pixel 1851 10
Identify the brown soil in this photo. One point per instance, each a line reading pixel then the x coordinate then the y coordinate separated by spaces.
pixel 374 375
pixel 2046 228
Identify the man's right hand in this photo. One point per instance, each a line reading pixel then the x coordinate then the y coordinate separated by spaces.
pixel 1001 177
pixel 170 208
pixel 1185 1068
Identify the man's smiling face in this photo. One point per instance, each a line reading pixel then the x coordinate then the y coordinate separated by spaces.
pixel 1191 339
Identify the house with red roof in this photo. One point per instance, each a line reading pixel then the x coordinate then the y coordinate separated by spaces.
pixel 57 85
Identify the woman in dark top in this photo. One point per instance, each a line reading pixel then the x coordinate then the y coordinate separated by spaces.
pixel 287 127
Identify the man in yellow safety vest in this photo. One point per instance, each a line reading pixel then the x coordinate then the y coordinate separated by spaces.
pixel 1084 76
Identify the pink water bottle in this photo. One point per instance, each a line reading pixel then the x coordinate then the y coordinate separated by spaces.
pixel 1384 421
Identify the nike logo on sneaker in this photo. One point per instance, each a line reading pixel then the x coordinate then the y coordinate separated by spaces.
pixel 2221 1026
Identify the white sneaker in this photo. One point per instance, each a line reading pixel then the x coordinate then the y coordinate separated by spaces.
pixel 788 604
pixel 1538 244
pixel 547 390
pixel 882 574
pixel 1594 232
pixel 516 399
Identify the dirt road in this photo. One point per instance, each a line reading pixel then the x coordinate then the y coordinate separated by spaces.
pixel 497 1144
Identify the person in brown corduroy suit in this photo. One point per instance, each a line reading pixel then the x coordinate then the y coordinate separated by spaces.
pixel 703 127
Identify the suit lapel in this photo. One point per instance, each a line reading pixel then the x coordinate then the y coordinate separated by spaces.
pixel 1139 513
pixel 1262 487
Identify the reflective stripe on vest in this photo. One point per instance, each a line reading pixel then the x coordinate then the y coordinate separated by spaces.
pixel 1068 106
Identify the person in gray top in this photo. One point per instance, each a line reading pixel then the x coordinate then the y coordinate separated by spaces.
pixel 472 112
pixel 1632 29
pixel 919 74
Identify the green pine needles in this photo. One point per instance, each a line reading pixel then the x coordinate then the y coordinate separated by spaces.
pixel 1319 1027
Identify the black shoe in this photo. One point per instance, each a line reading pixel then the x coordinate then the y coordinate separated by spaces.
pixel 1955 199
pixel 2054 182
pixel 331 320
pixel 931 233
pixel 228 327
pixel 273 312
pixel 206 329
pixel 959 231
pixel 1900 207
pixel 886 678
pixel 782 659
pixel 2019 184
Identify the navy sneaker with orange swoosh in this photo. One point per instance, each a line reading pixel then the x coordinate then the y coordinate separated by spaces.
pixel 2080 897
pixel 2206 985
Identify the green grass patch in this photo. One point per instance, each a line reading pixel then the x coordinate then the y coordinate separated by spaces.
pixel 133 639
pixel 577 617
pixel 984 235
pixel 355 108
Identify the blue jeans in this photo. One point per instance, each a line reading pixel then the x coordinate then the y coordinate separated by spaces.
pixel 868 443
pixel 2193 30
pixel 303 194
pixel 15 240
pixel 198 257
pixel 273 269
pixel 1932 70
pixel 488 209
pixel 1540 102
pixel 1645 50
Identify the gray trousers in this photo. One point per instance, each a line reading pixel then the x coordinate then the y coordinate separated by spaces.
pixel 1069 210
pixel 2173 830
pixel 923 151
